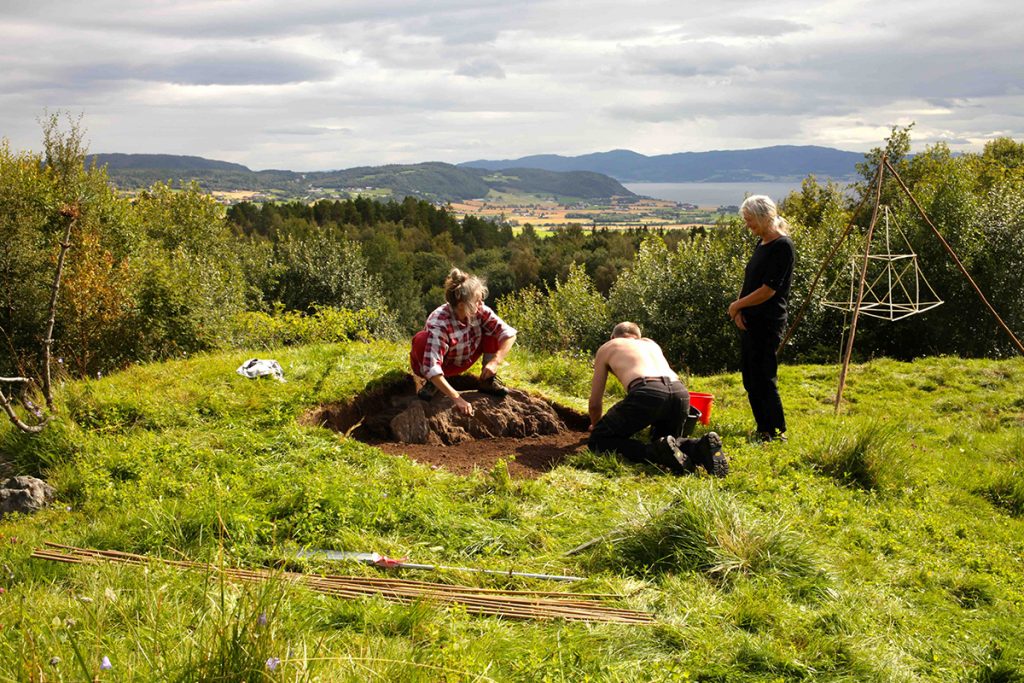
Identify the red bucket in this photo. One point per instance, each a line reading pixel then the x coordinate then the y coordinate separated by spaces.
pixel 702 402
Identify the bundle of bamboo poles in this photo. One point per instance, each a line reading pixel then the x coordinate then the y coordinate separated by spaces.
pixel 512 604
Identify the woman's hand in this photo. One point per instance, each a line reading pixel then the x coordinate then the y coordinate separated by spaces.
pixel 734 309
pixel 736 314
pixel 463 406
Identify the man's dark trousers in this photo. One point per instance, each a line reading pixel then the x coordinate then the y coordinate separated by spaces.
pixel 661 404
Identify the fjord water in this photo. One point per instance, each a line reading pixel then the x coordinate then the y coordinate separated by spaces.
pixel 712 194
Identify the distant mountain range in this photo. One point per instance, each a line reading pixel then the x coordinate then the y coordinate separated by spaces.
pixel 783 163
pixel 585 177
pixel 432 180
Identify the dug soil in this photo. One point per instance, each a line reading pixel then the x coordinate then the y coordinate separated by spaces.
pixel 532 434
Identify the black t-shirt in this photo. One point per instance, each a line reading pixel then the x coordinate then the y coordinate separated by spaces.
pixel 771 264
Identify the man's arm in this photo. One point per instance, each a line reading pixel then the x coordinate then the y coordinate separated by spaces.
pixel 597 385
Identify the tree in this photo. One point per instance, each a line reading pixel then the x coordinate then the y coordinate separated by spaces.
pixel 55 209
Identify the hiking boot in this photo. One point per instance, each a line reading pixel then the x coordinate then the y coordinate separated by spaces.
pixel 427 392
pixel 707 452
pixel 686 464
pixel 492 386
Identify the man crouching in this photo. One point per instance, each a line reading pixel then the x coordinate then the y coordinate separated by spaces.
pixel 655 398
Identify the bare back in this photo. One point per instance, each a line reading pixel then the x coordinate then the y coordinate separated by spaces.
pixel 629 358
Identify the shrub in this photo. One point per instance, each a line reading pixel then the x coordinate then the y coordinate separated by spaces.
pixel 679 298
pixel 571 316
pixel 252 329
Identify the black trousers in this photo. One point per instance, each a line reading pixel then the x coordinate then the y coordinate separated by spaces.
pixel 662 407
pixel 760 366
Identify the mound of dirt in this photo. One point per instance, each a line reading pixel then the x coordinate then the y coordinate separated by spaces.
pixel 389 415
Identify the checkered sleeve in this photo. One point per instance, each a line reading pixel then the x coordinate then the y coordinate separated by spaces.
pixel 494 326
pixel 433 354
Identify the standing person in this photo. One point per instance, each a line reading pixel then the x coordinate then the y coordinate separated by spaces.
pixel 655 398
pixel 455 335
pixel 760 313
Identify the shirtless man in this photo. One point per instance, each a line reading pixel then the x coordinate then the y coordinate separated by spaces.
pixel 654 397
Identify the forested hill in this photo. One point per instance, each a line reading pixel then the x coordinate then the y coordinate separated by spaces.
pixel 780 163
pixel 432 180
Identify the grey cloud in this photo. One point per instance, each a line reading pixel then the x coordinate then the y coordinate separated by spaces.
pixel 948 139
pixel 744 26
pixel 684 60
pixel 307 131
pixel 481 68
pixel 227 68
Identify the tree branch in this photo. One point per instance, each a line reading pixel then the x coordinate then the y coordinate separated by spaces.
pixel 17 421
pixel 71 212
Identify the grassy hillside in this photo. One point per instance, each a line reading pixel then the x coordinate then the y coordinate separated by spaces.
pixel 432 180
pixel 885 544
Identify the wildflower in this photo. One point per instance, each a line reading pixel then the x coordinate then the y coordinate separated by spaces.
pixel 2 590
pixel 54 661
pixel 105 664
pixel 262 621
pixel 273 662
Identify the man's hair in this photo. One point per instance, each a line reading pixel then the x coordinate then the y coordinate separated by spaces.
pixel 626 329
pixel 460 287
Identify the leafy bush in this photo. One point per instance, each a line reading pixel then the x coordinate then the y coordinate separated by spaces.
pixel 253 329
pixel 572 315
pixel 679 298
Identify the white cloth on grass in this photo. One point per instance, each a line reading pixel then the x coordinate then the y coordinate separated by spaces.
pixel 256 367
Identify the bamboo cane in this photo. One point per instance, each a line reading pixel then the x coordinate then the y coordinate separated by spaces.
pixel 480 601
pixel 860 290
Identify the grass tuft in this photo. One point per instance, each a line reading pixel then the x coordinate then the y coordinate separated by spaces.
pixel 1006 490
pixel 706 531
pixel 869 457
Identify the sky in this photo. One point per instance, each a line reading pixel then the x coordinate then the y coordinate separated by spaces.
pixel 330 84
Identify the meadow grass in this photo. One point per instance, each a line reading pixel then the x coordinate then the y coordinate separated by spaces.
pixel 881 544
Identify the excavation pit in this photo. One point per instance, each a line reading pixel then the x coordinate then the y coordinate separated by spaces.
pixel 389 415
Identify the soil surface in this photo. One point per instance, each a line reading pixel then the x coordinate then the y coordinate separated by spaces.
pixel 389 415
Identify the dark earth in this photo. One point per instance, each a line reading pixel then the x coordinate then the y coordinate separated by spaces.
pixel 388 415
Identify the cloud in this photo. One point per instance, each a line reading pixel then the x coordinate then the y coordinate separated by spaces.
pixel 232 67
pixel 482 67
pixel 321 84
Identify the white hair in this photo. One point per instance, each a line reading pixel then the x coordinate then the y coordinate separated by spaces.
pixel 762 210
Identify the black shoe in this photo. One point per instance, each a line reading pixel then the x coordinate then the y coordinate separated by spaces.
pixel 686 464
pixel 427 392
pixel 708 454
pixel 492 386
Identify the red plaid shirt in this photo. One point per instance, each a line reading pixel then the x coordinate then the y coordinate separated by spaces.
pixel 450 342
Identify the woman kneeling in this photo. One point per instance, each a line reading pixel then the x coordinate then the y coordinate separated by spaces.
pixel 455 335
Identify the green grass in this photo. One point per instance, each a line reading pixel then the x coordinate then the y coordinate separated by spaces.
pixel 883 544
